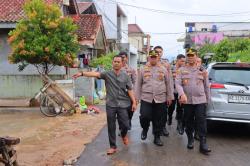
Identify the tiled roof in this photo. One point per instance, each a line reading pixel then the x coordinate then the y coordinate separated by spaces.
pixel 134 28
pixel 11 10
pixel 82 6
pixel 89 26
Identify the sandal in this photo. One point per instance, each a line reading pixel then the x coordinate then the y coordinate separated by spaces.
pixel 111 151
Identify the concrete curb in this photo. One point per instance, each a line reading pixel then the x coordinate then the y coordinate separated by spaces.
pixel 18 109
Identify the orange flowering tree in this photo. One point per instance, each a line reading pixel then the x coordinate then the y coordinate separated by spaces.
pixel 44 38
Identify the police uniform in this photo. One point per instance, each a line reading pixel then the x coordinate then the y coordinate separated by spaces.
pixel 167 67
pixel 192 82
pixel 132 75
pixel 153 89
pixel 179 108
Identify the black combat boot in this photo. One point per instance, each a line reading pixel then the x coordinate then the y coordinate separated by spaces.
pixel 203 146
pixel 180 127
pixel 165 132
pixel 157 141
pixel 144 134
pixel 190 144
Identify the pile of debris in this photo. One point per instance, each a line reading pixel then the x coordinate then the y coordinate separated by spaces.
pixel 81 107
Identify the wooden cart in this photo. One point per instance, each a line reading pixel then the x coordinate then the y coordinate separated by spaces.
pixel 53 100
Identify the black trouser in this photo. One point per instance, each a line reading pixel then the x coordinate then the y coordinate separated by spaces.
pixel 122 115
pixel 179 109
pixel 195 113
pixel 152 112
pixel 130 115
pixel 165 115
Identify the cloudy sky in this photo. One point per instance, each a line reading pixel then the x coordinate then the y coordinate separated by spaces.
pixel 155 22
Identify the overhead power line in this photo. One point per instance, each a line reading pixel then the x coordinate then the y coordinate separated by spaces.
pixel 126 31
pixel 157 33
pixel 180 13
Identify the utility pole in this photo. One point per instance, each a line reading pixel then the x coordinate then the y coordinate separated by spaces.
pixel 148 43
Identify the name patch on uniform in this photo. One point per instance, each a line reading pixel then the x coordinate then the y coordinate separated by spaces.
pixel 184 72
pixel 200 79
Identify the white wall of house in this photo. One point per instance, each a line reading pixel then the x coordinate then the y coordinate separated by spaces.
pixel 223 26
pixel 133 56
pixel 109 15
pixel 123 29
pixel 136 41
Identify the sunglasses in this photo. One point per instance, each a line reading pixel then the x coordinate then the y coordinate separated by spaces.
pixel 190 55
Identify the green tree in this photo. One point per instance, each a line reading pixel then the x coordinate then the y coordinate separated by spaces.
pixel 241 44
pixel 228 50
pixel 207 48
pixel 243 56
pixel 105 60
pixel 222 50
pixel 44 38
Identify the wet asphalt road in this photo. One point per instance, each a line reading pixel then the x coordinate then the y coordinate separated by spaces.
pixel 230 144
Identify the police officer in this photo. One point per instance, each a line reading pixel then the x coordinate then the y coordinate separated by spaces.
pixel 153 89
pixel 132 75
pixel 159 50
pixel 199 64
pixel 180 62
pixel 193 90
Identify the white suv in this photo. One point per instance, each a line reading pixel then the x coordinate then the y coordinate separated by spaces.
pixel 230 92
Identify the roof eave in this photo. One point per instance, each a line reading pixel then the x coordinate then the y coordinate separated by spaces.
pixel 121 11
pixel 7 25
pixel 88 42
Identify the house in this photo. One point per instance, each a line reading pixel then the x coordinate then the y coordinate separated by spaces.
pixel 87 8
pixel 138 39
pixel 200 33
pixel 108 11
pixel 91 32
pixel 115 26
pixel 21 86
pixel 123 39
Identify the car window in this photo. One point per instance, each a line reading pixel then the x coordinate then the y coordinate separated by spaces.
pixel 223 75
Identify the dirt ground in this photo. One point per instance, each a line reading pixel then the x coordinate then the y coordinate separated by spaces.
pixel 48 141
